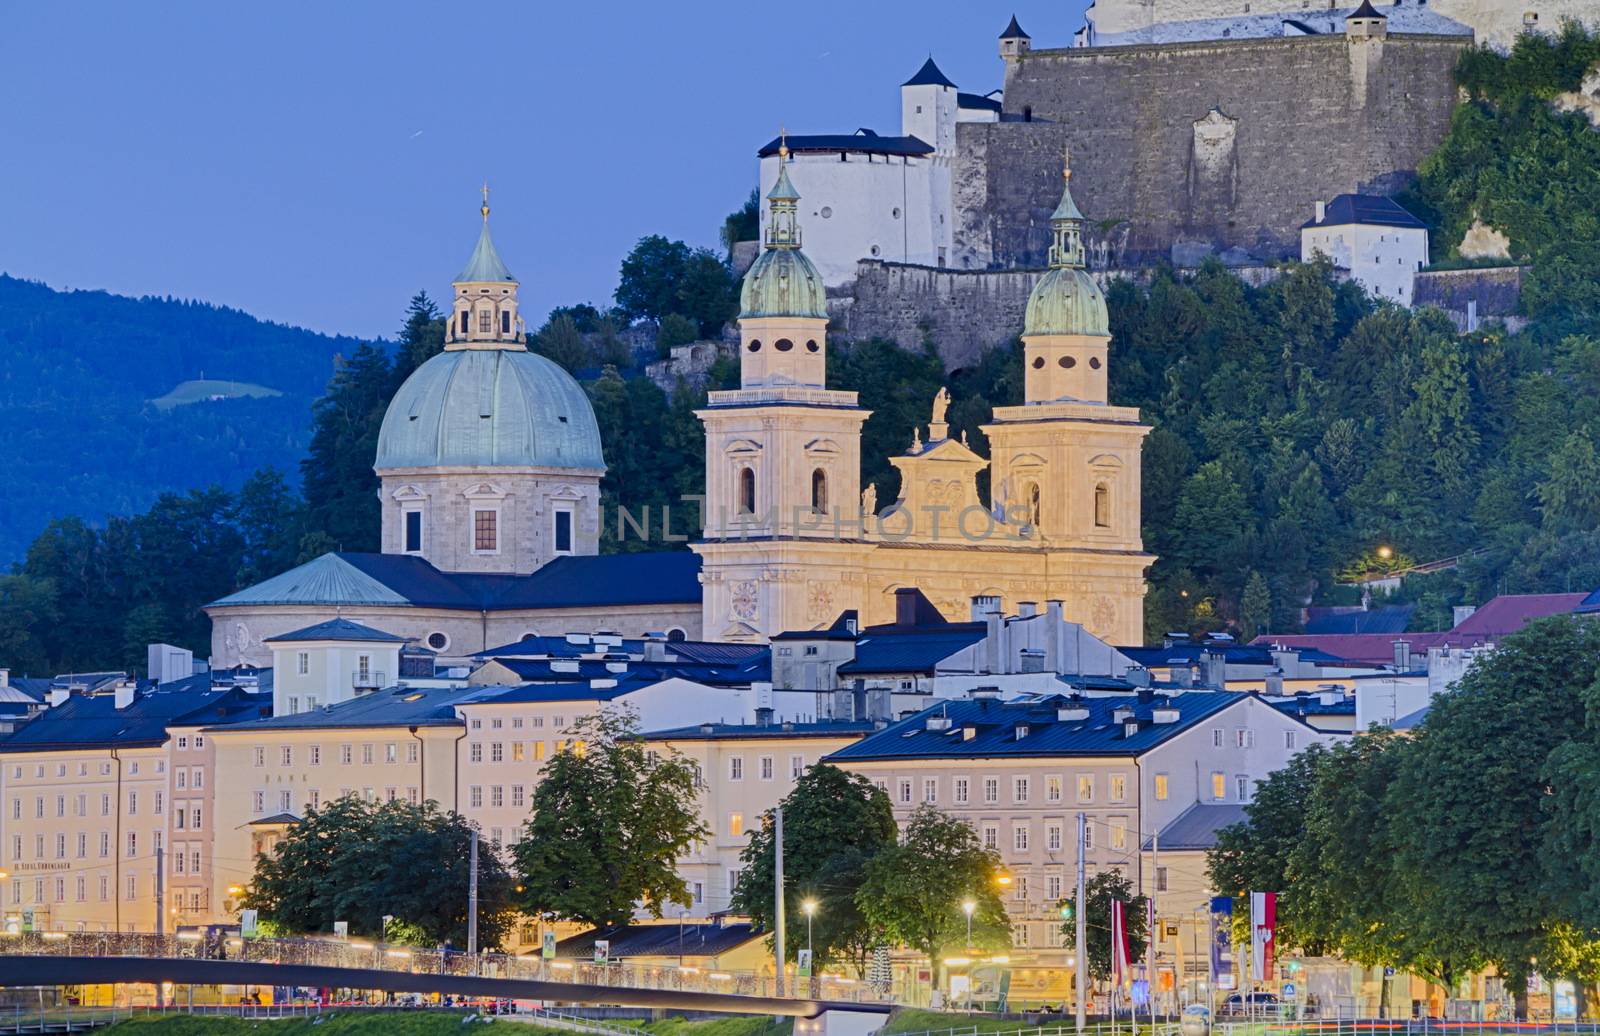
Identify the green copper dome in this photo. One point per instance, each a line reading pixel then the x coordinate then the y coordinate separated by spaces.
pixel 1066 301
pixel 782 282
pixel 489 408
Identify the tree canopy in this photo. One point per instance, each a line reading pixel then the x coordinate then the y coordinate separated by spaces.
pixel 1098 894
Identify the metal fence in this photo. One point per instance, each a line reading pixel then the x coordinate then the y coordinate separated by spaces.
pixel 19 1020
pixel 1330 1027
pixel 355 953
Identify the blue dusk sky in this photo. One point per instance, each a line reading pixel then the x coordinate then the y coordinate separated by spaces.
pixel 318 163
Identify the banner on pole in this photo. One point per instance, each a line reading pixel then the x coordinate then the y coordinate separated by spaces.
pixel 1121 970
pixel 1263 925
pixel 1222 942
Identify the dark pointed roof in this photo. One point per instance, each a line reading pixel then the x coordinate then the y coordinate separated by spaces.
pixel 1014 31
pixel 929 75
pixel 1366 10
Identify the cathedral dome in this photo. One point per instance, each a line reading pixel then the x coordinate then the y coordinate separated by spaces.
pixel 782 282
pixel 1066 301
pixel 489 408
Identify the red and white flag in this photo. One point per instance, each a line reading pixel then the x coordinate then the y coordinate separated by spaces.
pixel 1121 965
pixel 1263 926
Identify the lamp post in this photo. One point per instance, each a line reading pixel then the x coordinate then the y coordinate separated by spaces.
pixel 809 908
pixel 967 907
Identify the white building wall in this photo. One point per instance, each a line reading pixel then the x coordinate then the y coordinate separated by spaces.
pixel 1383 260
pixel 867 206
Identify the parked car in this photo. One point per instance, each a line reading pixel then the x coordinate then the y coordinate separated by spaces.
pixel 1242 1004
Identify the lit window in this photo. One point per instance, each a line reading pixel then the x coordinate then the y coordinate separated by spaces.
pixel 1219 785
pixel 735 824
pixel 1119 787
pixel 1085 787
pixel 1161 787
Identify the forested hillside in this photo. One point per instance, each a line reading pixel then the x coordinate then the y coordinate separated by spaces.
pixel 77 435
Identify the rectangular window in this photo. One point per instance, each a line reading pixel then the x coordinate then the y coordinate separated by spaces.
pixel 105 843
pixel 345 754
pixel 563 532
pixel 83 844
pixel 1161 879
pixel 183 743
pixel 259 755
pixel 475 752
pixel 366 753
pixel 302 663
pixel 1052 789
pixel 1052 887
pixel 959 790
pixel 1119 832
pixel 904 789
pixel 285 801
pixel 258 800
pixel 133 843
pixel 1052 837
pixel 411 751
pixel 485 322
pixel 497 795
pixel 485 531
pixel 314 755
pixel 294 704
pixel 1216 737
pixel 991 789
pixel 133 803
pixel 411 796
pixel 475 797
pixel 930 789
pixel 1088 837
pixel 315 799
pixel 1288 740
pixel 497 752
pixel 1019 790
pixel 286 755
pixel 538 751
pixel 194 818
pixel 1161 787
pixel 1119 787
pixel 991 837
pixel 1219 785
pixel 736 768
pixel 1019 838
pixel 413 544
pixel 1242 786
pixel 735 824
pixel 797 766
pixel 516 795
pixel 158 803
pixel 199 779
pixel 767 768
pixel 516 751
pixel 1245 737
pixel 1085 787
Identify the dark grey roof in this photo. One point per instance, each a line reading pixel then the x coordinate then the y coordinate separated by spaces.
pixel 929 75
pixel 1411 720
pixel 1197 826
pixel 1370 209
pixel 1014 31
pixel 275 819
pixel 660 940
pixel 994 725
pixel 397 580
pixel 1392 618
pixel 742 731
pixel 861 140
pixel 977 101
pixel 911 650
pixel 338 629
pixel 395 707
pixel 840 630
pixel 95 722
pixel 733 674
pixel 1366 10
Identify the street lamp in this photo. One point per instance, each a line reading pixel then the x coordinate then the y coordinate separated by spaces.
pixel 967 907
pixel 1386 552
pixel 809 908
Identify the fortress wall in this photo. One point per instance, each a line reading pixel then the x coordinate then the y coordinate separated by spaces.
pixel 1228 143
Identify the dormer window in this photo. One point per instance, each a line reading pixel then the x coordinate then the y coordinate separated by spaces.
pixel 465 326
pixel 485 322
pixel 505 321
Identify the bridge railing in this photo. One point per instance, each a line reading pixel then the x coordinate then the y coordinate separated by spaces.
pixel 357 953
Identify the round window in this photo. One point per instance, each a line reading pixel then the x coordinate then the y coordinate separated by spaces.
pixel 438 641
pixel 827 212
pixel 755 346
pixel 675 634
pixel 1038 362
pixel 531 635
pixel 783 345
pixel 812 346
pixel 896 213
pixel 874 249
pixel 1067 362
pixel 1094 361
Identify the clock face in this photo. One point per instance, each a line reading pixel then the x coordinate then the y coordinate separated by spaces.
pixel 744 599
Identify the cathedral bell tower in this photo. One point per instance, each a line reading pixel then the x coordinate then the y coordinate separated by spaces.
pixel 782 526
pixel 1066 338
pixel 484 315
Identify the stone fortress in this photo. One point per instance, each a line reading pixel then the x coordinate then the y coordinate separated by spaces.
pixel 1200 128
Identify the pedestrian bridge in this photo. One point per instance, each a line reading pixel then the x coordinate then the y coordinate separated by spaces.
pixel 87 958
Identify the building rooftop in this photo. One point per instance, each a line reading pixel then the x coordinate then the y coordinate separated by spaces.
pixel 660 940
pixel 913 650
pixel 348 578
pixel 338 629
pixel 94 722
pixel 1196 827
pixel 862 140
pixel 763 731
pixel 986 728
pixel 392 707
pixel 1365 209
pixel 547 670
pixel 1392 618
pixel 929 75
pixel 1403 19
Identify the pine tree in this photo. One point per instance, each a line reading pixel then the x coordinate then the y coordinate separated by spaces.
pixel 339 485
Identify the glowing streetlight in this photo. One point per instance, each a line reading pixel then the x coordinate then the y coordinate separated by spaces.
pixel 235 890
pixel 1386 552
pixel 967 907
pixel 809 908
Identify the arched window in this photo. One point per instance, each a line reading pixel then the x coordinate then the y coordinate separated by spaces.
pixel 1035 508
pixel 747 491
pixel 819 491
pixel 1102 506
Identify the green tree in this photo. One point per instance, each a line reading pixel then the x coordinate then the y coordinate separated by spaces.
pixel 355 861
pixel 1569 498
pixel 421 337
pixel 610 819
pixel 27 610
pixel 340 487
pixel 1098 894
pixel 707 292
pixel 913 891
pixel 743 223
pixel 834 824
pixel 647 286
pixel 1476 778
pixel 561 341
pixel 1255 607
pixel 675 330
pixel 271 522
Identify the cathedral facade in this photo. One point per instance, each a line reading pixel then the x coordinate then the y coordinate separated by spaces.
pixel 789 538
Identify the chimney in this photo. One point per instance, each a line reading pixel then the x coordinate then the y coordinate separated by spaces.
pixel 58 696
pixel 994 629
pixel 982 605
pixel 125 695
pixel 1275 684
pixel 1402 655
pixel 905 606
pixel 1461 613
pixel 764 716
pixel 1322 211
pixel 5 677
pixel 1145 695
pixel 1027 609
pixel 655 649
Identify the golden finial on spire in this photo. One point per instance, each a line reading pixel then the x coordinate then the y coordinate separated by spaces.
pixel 783 143
pixel 1066 161
pixel 485 208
